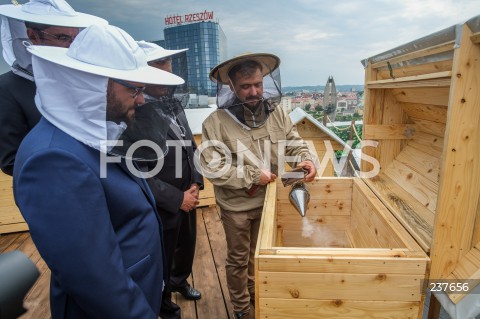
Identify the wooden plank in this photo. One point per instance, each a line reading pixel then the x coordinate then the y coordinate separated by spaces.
pixel 476 228
pixel 324 224
pixel 428 143
pixel 422 163
pixel 317 207
pixel 13 228
pixel 372 114
pixel 439 48
pixel 325 263
pixel 475 38
pixel 374 224
pixel 411 70
pixel 415 218
pixel 429 127
pixel 388 132
pixel 385 218
pixel 434 113
pixel 421 188
pixel 421 80
pixel 336 309
pixel 350 286
pixel 460 178
pixel 13 243
pixel 467 272
pixel 322 237
pixel 360 232
pixel 431 96
pixel 322 188
pixel 266 237
pixel 218 244
pixel 205 276
pixel 392 114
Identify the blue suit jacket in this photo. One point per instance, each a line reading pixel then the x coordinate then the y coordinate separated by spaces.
pixel 101 237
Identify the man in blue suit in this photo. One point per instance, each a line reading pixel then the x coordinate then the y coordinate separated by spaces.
pixel 91 216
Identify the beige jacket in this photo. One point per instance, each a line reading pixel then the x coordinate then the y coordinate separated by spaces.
pixel 233 175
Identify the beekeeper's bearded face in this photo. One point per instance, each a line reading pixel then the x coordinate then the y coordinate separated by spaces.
pixel 247 83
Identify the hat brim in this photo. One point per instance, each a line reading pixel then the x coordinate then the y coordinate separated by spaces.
pixel 145 74
pixel 81 20
pixel 220 72
pixel 163 54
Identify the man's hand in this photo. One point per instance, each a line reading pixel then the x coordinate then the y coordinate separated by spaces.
pixel 310 167
pixel 190 198
pixel 266 177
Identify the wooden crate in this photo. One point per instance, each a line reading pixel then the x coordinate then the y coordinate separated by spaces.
pixel 10 218
pixel 376 239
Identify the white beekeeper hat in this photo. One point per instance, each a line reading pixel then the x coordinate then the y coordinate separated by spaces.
pixel 155 52
pixel 50 12
pixel 106 51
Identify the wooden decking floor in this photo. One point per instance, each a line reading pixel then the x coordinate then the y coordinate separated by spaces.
pixel 208 272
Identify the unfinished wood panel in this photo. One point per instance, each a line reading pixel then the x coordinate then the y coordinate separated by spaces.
pixel 437 66
pixel 475 38
pixel 294 221
pixel 434 113
pixel 429 127
pixel 459 181
pixel 437 79
pixel 322 236
pixel 336 309
pixel 389 132
pixel 374 224
pixel 361 234
pixel 443 47
pixel 476 232
pixel 431 96
pixel 266 237
pixel 416 218
pixel 420 187
pixel 372 113
pixel 422 163
pixel 427 143
pixel 317 207
pixel 467 271
pixel 392 114
pixel 331 188
pixel 385 220
pixel 350 286
pixel 346 264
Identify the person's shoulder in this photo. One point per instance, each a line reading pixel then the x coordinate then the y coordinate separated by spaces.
pixel 10 80
pixel 215 115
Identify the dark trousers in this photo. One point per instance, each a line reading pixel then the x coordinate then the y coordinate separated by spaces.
pixel 182 263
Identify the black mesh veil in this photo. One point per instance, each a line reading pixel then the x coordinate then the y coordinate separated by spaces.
pixel 145 138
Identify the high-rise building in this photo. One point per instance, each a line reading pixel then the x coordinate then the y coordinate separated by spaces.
pixel 207 47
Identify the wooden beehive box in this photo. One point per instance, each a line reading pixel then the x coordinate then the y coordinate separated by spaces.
pixel 368 246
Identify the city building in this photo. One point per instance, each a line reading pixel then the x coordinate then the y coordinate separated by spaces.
pixel 207 47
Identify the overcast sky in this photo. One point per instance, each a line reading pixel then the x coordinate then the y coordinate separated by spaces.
pixel 313 38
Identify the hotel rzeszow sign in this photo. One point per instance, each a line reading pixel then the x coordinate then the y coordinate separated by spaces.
pixel 189 18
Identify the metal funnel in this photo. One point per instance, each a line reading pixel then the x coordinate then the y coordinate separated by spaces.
pixel 299 197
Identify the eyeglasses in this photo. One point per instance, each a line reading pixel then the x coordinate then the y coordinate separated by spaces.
pixel 60 37
pixel 138 89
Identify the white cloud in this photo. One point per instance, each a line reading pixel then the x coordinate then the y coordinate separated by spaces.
pixel 314 38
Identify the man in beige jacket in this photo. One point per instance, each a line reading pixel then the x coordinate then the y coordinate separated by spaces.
pixel 244 143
